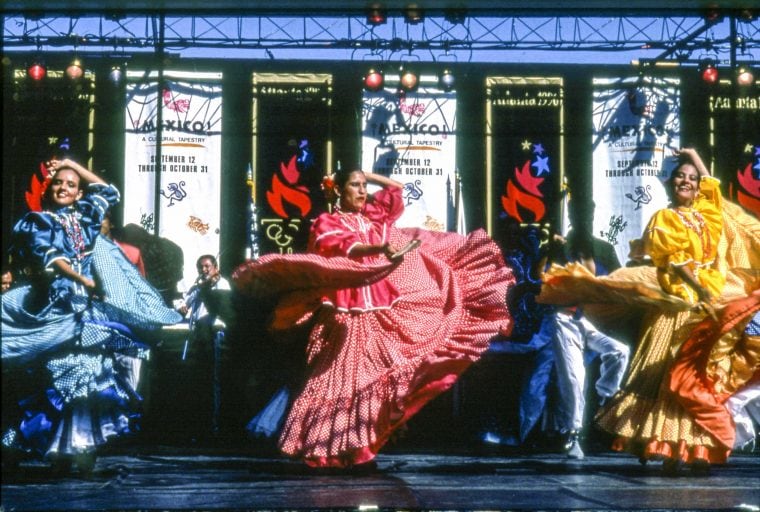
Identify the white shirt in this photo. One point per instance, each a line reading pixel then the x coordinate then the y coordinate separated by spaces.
pixel 196 307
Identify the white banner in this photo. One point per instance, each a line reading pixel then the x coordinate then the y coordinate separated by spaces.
pixel 411 138
pixel 636 125
pixel 190 171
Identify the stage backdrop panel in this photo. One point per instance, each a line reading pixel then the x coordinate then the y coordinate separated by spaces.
pixel 735 121
pixel 186 185
pixel 636 126
pixel 524 151
pixel 292 151
pixel 411 137
pixel 52 118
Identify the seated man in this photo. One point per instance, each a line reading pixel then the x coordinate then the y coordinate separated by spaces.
pixel 206 304
pixel 202 301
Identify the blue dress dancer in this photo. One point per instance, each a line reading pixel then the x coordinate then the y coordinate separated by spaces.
pixel 63 331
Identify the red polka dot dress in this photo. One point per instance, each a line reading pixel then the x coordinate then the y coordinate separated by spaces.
pixel 381 349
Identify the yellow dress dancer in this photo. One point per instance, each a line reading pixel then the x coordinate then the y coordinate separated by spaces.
pixel 706 253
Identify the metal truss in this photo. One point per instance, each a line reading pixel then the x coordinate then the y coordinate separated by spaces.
pixel 724 39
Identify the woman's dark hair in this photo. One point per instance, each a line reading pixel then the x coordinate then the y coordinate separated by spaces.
pixel 342 176
pixel 681 160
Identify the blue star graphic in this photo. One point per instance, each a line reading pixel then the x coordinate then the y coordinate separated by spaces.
pixel 538 148
pixel 541 165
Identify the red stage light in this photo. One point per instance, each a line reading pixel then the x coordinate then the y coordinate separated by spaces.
pixel 710 74
pixel 37 71
pixel 376 17
pixel 374 80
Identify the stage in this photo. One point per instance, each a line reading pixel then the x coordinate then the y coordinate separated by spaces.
pixel 171 478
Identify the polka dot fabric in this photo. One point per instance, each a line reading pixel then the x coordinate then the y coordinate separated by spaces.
pixel 369 371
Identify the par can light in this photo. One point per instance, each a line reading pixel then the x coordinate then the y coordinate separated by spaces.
pixel 408 79
pixel 374 80
pixel 446 80
pixel 116 75
pixel 745 76
pixel 709 72
pixel 74 70
pixel 37 71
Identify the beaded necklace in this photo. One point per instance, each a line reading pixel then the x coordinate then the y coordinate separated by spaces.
pixel 699 228
pixel 73 230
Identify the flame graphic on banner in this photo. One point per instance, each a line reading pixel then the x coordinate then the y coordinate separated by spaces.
pixel 288 191
pixel 751 199
pixel 529 199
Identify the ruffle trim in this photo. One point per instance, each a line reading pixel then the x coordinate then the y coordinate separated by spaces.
pixel 652 429
pixel 655 449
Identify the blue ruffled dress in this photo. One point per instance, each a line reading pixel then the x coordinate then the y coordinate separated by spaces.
pixel 60 345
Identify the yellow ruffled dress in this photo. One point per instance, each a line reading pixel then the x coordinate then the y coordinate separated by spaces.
pixel 721 245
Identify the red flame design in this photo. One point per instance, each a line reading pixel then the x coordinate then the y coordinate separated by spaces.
pixel 37 188
pixel 290 172
pixel 514 197
pixel 751 200
pixel 527 198
pixel 527 181
pixel 748 181
pixel 297 195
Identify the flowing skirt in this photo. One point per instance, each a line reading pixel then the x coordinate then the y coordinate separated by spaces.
pixel 650 418
pixel 368 372
pixel 70 371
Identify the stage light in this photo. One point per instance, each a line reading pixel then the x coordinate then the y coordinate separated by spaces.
pixel 374 80
pixel 116 75
pixel 376 17
pixel 408 79
pixel 37 70
pixel 713 16
pixel 747 15
pixel 455 16
pixel 74 70
pixel 413 15
pixel 709 72
pixel 745 76
pixel 446 80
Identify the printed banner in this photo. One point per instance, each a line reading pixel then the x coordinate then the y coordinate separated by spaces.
pixel 736 120
pixel 189 173
pixel 524 167
pixel 292 149
pixel 636 126
pixel 410 137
